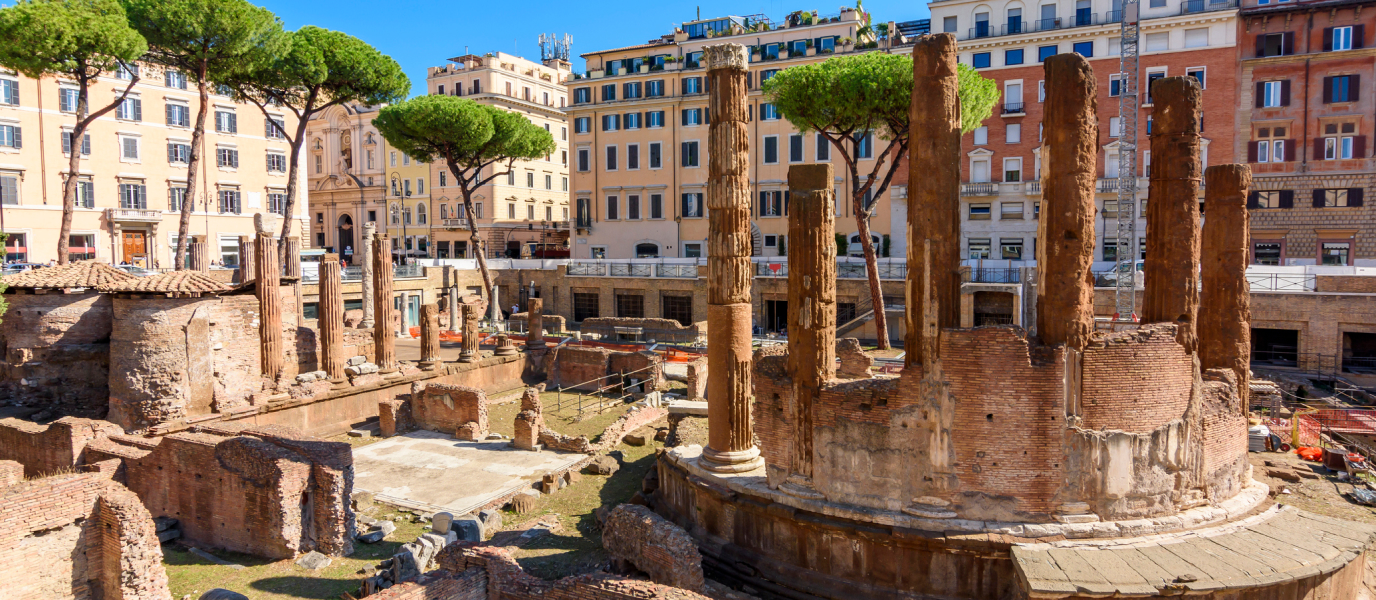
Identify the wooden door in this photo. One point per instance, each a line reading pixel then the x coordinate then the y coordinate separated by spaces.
pixel 135 246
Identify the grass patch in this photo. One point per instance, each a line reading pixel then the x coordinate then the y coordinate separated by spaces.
pixel 501 417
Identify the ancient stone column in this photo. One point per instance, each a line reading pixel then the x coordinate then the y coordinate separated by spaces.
pixel 332 319
pixel 200 254
pixel 364 259
pixel 535 323
pixel 1225 306
pixel 384 339
pixel 933 285
pixel 268 278
pixel 1172 265
pixel 1065 231
pixel 429 336
pixel 811 301
pixel 293 269
pixel 730 446
pixel 453 307
pixel 246 270
pixel 469 352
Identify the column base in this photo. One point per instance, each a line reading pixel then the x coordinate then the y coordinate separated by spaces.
pixel 799 486
pixel 468 358
pixel 429 365
pixel 740 461
pixel 339 384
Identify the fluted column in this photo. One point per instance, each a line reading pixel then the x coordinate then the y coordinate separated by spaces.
pixel 429 336
pixel 332 319
pixel 1065 231
pixel 246 270
pixel 535 323
pixel 469 352
pixel 365 261
pixel 1225 306
pixel 811 301
pixel 268 279
pixel 200 254
pixel 384 339
pixel 933 285
pixel 730 447
pixel 293 269
pixel 1172 265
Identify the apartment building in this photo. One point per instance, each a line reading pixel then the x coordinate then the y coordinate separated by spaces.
pixel 133 171
pixel 1305 114
pixel 1007 41
pixel 408 204
pixel 346 171
pixel 525 212
pixel 640 123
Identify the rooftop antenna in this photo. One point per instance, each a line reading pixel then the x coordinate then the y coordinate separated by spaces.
pixel 699 14
pixel 554 47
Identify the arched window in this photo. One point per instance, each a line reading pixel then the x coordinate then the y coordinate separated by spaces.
pixel 421 214
pixel 646 250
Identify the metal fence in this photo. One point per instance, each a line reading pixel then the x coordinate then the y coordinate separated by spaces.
pixel 630 270
pixel 587 269
pixel 992 275
pixel 677 271
pixel 1281 282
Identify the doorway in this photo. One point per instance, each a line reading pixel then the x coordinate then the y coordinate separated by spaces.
pixel 1359 353
pixel 135 245
pixel 346 237
pixel 1275 347
pixel 775 316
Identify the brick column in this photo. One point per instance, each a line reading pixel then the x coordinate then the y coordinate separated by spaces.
pixel 1065 232
pixel 535 324
pixel 364 258
pixel 384 339
pixel 429 336
pixel 933 199
pixel 267 279
pixel 246 270
pixel 1225 304
pixel 811 302
pixel 332 319
pixel 1172 266
pixel 469 353
pixel 730 446
pixel 200 253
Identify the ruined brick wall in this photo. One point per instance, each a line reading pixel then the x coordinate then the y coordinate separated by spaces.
pixel 234 344
pixel 440 585
pixel 506 580
pixel 57 446
pixel 450 409
pixel 56 351
pixel 1224 432
pixel 552 323
pixel 611 436
pixel 662 550
pixel 161 365
pixel 1135 381
pixel 697 379
pixel 394 416
pixel 773 409
pixel 301 345
pixel 358 342
pixel 661 330
pixel 1345 284
pixel 572 366
pixel 79 536
pixel 645 366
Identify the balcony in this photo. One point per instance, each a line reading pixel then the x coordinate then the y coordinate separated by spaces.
pixel 1011 109
pixel 1032 187
pixel 1107 186
pixel 133 215
pixel 454 223
pixel 1199 6
pixel 979 189
pixel 584 222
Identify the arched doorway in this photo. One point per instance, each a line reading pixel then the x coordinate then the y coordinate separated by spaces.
pixel 346 247
pixel 647 250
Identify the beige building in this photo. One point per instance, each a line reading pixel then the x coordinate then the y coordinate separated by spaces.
pixel 346 170
pixel 133 173
pixel 408 205
pixel 526 212
pixel 640 124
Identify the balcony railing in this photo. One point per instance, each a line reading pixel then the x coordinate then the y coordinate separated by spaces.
pixel 454 222
pixel 1280 282
pixel 677 271
pixel 133 214
pixel 405 271
pixel 1107 186
pixel 352 274
pixel 1032 187
pixel 1199 6
pixel 587 269
pixel 979 189
pixel 992 275
pixel 630 270
pixel 1013 108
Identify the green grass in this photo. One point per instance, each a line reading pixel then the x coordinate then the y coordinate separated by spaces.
pixel 501 418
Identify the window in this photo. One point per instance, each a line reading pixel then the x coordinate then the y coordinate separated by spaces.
pixel 1341 88
pixel 795 148
pixel 1335 253
pixel 654 89
pixel 1110 249
pixel 530 179
pixel 612 208
pixel 692 250
pixel 1340 143
pixel 582 124
pixel 630 90
pixel 766 75
pixel 610 165
pixel 678 308
pixel 979 212
pixel 566 187
pixel 823 148
pixel 85 144
pixel 981 136
pixel 693 85
pixel 981 26
pixel 277 204
pixel 1271 199
pixel 632 120
pixel 1012 170
pixel 133 195
pixel 1270 146
pixel 977 248
pixel 510 211
pixel 67 99
pixel 773 203
pixel 585 305
pixel 1275 44
pixel 320 164
pixel 582 95
pixel 611 122
pixel 864 143
pixel 1012 57
pixel 129 148
pixel 1343 38
pixel 1085 49
pixel 656 206
pixel 979 171
pixel 769 112
pixel 689 153
pixel 176 196
pixel 9 190
pixel 1010 248
pixel 608 92
pixel 1266 253
pixel 949 25
pixel 1152 76
pixel 530 213
pixel 277 163
pixel 654 119
pixel 126 71
pixel 632 306
pixel 274 129
pixel 85 193
pixel 226 122
pixel 1339 198
pixel 130 109
pixel 1158 42
pixel 1198 74
pixel 655 156
pixel 175 79
pixel 549 182
pixel 1115 85
pixel 444 178
pixel 1010 211
pixel 981 60
pixel 633 207
pixel 1045 52
pixel 227 158
pixel 691 116
pixel 692 205
pixel 632 156
pixel 1271 94
pixel 583 160
pixel 1013 133
pixel 771 149
pixel 1197 38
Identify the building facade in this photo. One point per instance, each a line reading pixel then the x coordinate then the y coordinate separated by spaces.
pixel 1008 40
pixel 132 178
pixel 526 211
pixel 1303 124
pixel 408 204
pixel 640 121
pixel 346 174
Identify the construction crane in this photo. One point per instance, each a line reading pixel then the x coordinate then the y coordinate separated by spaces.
pixel 1125 271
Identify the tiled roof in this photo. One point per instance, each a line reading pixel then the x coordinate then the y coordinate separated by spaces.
pixel 183 282
pixel 81 274
pixel 649 44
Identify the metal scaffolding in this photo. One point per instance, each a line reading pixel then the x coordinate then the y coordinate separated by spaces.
pixel 1126 272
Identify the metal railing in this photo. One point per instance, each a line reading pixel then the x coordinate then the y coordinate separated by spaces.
pixel 677 271
pixel 1198 6
pixel 630 270
pixel 352 274
pixel 1281 282
pixel 979 189
pixel 1013 108
pixel 405 271
pixel 587 269
pixel 992 275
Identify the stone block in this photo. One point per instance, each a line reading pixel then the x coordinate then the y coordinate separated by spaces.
pixel 441 522
pixel 696 408
pixel 313 560
pixel 491 519
pixel 469 529
pixel 362 500
pixel 357 360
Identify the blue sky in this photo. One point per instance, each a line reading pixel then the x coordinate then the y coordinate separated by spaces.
pixel 427 33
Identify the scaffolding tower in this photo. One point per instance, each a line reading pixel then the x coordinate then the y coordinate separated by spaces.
pixel 1125 271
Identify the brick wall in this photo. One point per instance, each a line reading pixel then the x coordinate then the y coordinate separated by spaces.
pixel 572 366
pixel 506 580
pixel 235 351
pixel 161 359
pixel 661 549
pixel 1135 381
pixel 450 409
pixel 1345 284
pixel 57 446
pixel 56 351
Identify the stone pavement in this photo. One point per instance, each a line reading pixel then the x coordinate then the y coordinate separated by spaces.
pixel 1280 545
pixel 433 471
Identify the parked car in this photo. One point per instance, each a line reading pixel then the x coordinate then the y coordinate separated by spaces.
pixel 137 271
pixel 12 268
pixel 1109 278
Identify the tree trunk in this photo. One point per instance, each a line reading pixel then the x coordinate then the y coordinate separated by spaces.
pixel 862 224
pixel 64 234
pixel 473 228
pixel 292 175
pixel 192 163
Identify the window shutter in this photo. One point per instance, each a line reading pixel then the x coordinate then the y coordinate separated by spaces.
pixel 233 123
pixel 1285 92
pixel 18 143
pixel 1290 150
pixel 1359 147
pixel 1354 196
pixel 1261 45
pixel 1358 36
pixel 764 202
pixel 1327 39
pixel 1251 152
pixel 1287 198
pixel 1252 202
pixel 1318 148
pixel 1354 88
pixel 1261 94
pixel 1327 90
pixel 167 111
pixel 171 153
pixel 749 79
pixel 707 116
pixel 138 109
pixel 1318 198
pixel 1287 44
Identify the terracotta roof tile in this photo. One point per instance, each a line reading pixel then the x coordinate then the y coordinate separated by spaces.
pixel 81 274
pixel 184 282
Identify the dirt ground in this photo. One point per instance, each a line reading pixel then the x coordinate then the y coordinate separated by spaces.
pixel 1319 492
